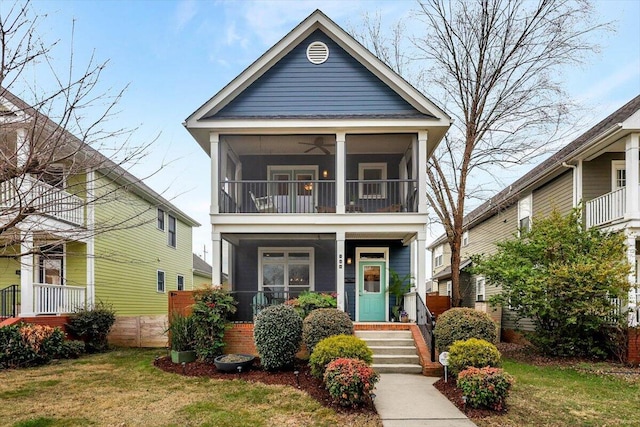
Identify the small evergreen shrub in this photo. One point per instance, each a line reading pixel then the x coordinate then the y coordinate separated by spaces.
pixel 472 353
pixel 277 332
pixel 459 324
pixel 306 302
pixel 92 325
pixel 336 347
pixel 14 352
pixel 350 381
pixel 323 323
pixel 485 387
pixel 210 315
pixel 71 349
pixel 25 345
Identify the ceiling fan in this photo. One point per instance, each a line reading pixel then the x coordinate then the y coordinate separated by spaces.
pixel 319 144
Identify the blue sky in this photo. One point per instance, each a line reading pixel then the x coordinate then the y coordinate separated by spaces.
pixel 175 55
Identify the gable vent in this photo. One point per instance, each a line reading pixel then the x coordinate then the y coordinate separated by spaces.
pixel 317 53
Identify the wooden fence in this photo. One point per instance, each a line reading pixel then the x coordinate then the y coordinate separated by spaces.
pixel 438 304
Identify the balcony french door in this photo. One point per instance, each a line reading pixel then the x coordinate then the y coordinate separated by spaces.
pixel 292 188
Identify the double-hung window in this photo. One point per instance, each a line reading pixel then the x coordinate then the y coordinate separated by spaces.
pixel 160 283
pixel 377 174
pixel 286 270
pixel 480 289
pixel 180 282
pixel 160 219
pixel 524 214
pixel 438 255
pixel 172 232
pixel 465 238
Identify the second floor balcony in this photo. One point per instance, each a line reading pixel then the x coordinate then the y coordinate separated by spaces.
pixel 318 196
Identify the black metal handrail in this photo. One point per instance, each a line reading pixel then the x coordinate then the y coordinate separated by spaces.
pixel 9 301
pixel 426 323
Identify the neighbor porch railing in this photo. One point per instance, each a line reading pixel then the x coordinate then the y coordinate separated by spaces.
pixel 426 323
pixel 250 303
pixel 28 193
pixel 9 301
pixel 606 208
pixel 58 299
pixel 317 196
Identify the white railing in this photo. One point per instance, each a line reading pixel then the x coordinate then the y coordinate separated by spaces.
pixel 606 208
pixel 410 302
pixel 26 192
pixel 57 299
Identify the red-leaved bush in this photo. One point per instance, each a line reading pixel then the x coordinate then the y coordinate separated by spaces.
pixel 485 387
pixel 350 381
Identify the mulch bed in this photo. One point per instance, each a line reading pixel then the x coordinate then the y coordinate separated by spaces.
pixel 454 394
pixel 306 382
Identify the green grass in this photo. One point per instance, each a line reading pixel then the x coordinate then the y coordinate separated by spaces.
pixel 568 396
pixel 123 388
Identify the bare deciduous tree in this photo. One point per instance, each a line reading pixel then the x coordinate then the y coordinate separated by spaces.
pixel 496 66
pixel 56 159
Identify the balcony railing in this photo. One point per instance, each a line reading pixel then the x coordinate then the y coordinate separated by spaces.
pixel 317 196
pixel 57 299
pixel 606 208
pixel 28 193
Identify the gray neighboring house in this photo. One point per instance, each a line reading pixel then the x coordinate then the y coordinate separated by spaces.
pixel 201 272
pixel 593 171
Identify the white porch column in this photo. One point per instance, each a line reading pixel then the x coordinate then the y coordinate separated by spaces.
pixel 578 182
pixel 341 171
pixel 214 139
pixel 421 274
pixel 22 146
pixel 631 257
pixel 90 248
pixel 216 258
pixel 26 275
pixel 632 164
pixel 340 266
pixel 422 175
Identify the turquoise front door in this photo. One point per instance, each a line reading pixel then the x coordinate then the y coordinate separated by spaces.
pixel 372 291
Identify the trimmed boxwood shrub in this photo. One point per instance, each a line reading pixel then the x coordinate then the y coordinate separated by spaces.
pixel 277 332
pixel 459 324
pixel 92 325
pixel 323 323
pixel 336 347
pixel 472 353
pixel 350 381
pixel 485 387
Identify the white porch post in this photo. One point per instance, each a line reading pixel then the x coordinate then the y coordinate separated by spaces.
pixel 341 171
pixel 340 265
pixel 214 139
pixel 216 258
pixel 90 249
pixel 421 274
pixel 632 164
pixel 631 257
pixel 26 275
pixel 578 182
pixel 22 146
pixel 422 176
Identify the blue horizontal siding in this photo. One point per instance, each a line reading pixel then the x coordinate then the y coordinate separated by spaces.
pixel 294 86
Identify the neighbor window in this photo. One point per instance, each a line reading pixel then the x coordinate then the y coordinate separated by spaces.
pixel 438 256
pixel 160 285
pixel 160 219
pixel 618 174
pixel 465 238
pixel 172 231
pixel 54 176
pixel 480 289
pixel 180 282
pixel 524 214
pixel 376 173
pixel 449 289
pixel 286 270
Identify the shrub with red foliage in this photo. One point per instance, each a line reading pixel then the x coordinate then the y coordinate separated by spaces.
pixel 350 381
pixel 485 387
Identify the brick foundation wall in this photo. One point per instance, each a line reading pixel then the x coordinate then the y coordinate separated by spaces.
pixel 633 349
pixel 53 321
pixel 239 339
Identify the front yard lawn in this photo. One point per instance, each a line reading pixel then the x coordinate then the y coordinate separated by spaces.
pixel 570 394
pixel 123 388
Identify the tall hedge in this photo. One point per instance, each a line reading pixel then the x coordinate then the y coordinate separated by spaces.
pixel 277 332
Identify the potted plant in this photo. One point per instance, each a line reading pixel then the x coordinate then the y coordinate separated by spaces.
pixel 181 337
pixel 398 286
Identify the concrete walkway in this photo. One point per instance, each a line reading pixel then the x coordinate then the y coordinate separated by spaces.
pixel 410 400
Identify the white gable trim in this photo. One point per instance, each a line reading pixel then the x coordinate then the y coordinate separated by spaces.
pixel 318 20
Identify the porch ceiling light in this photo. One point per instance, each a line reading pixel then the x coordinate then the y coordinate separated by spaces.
pixel 325 173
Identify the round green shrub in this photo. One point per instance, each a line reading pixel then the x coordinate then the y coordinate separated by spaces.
pixel 485 387
pixel 323 323
pixel 459 324
pixel 71 349
pixel 338 346
pixel 350 381
pixel 472 353
pixel 277 332
pixel 92 325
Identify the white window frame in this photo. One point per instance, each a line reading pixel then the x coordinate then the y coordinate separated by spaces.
pixel 465 238
pixel 382 167
pixel 449 291
pixel 287 262
pixel 175 231
pixel 525 210
pixel 158 220
pixel 438 256
pixel 481 285
pixel 617 165
pixel 164 281
pixel 178 277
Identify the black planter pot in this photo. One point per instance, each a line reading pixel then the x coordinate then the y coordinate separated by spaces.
pixel 233 366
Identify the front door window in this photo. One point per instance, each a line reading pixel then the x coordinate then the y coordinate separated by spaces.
pixel 51 265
